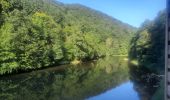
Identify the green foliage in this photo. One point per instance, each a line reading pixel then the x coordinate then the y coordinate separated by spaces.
pixel 42 33
pixel 77 82
pixel 159 94
pixel 148 84
pixel 148 45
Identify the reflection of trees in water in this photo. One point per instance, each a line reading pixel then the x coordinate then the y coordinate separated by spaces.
pixel 147 48
pixel 74 82
pixel 145 82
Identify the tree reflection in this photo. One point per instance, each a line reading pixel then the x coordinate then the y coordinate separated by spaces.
pixel 146 83
pixel 72 83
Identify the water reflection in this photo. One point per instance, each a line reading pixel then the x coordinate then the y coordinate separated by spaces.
pixel 148 84
pixel 74 82
pixel 123 92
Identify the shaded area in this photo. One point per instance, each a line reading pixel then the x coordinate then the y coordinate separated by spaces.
pixel 147 58
pixel 72 83
pixel 148 84
pixel 148 46
pixel 82 81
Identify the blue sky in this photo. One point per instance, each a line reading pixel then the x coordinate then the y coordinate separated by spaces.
pixel 122 92
pixel 133 12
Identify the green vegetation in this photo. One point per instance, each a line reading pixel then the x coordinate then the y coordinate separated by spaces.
pixel 147 58
pixel 148 84
pixel 76 82
pixel 159 94
pixel 148 46
pixel 42 33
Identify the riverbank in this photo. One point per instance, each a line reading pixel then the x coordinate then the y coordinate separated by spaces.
pixel 60 65
pixel 90 79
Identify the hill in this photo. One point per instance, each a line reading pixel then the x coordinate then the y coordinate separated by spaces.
pixel 42 33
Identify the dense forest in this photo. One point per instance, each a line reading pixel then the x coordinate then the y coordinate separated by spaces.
pixel 35 34
pixel 42 33
pixel 148 45
pixel 147 56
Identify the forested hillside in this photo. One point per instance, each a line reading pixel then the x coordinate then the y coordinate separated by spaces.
pixel 148 46
pixel 42 33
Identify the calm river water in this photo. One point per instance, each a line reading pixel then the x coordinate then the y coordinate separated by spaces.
pixel 105 79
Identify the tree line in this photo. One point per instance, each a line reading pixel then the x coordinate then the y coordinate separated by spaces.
pixel 42 33
pixel 148 45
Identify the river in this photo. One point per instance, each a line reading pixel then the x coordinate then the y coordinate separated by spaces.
pixel 109 78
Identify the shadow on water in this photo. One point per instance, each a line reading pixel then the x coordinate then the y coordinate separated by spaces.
pixel 103 78
pixel 148 84
pixel 72 83
pixel 148 50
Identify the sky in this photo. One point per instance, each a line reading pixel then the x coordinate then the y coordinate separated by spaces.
pixel 121 92
pixel 133 12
